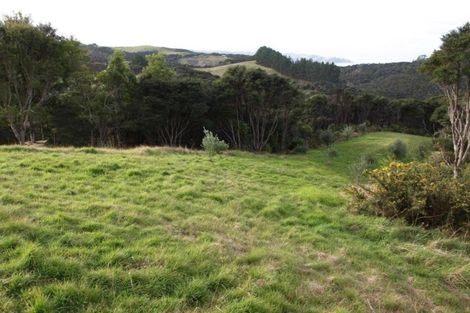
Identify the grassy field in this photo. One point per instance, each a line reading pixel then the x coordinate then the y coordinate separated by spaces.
pixel 220 70
pixel 165 50
pixel 202 60
pixel 160 230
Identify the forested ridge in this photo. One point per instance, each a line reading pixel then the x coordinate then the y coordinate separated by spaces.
pixel 99 96
pixel 392 80
pixel 398 80
pixel 304 69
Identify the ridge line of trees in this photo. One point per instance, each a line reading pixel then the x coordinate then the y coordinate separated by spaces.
pixel 161 105
pixel 304 69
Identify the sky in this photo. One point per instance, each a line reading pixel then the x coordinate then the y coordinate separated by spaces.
pixel 364 31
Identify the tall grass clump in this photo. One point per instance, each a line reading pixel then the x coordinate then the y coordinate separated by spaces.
pixel 212 144
pixel 347 132
pixel 398 149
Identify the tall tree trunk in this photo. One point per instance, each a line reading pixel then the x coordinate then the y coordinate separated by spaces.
pixel 20 133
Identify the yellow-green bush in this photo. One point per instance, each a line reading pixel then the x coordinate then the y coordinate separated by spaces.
pixel 420 193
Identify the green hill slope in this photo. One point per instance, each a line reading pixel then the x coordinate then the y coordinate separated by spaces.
pixel 162 230
pixel 393 80
pixel 220 70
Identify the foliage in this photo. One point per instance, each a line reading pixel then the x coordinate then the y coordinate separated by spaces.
pixel 327 137
pixel 359 168
pixel 347 132
pixel 400 80
pixel 302 69
pixel 134 101
pixel 36 63
pixel 449 67
pixel 156 68
pixel 113 92
pixel 420 193
pixel 171 109
pixel 423 151
pixel 212 144
pixel 259 109
pixel 399 149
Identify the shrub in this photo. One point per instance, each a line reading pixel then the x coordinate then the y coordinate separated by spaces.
pixel 362 128
pixel 423 151
pixel 420 193
pixel 369 160
pixel 327 137
pixel 347 132
pixel 332 152
pixel 212 144
pixel 399 149
pixel 358 169
pixel 298 146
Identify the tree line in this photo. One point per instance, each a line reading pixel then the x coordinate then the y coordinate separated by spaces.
pixel 49 91
pixel 304 69
pixel 399 80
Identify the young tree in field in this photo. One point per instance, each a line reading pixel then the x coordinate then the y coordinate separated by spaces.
pixel 34 62
pixel 449 67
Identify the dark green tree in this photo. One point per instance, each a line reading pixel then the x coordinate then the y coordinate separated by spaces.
pixel 113 91
pixel 156 68
pixel 35 63
pixel 449 67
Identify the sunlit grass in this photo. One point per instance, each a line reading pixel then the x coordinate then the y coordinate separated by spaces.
pixel 172 230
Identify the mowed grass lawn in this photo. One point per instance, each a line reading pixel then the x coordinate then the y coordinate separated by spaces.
pixel 156 230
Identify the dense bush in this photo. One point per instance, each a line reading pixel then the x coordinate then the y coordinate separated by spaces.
pixel 398 149
pixel 420 193
pixel 327 137
pixel 212 144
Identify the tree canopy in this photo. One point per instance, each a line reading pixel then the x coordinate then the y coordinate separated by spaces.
pixel 449 67
pixel 35 62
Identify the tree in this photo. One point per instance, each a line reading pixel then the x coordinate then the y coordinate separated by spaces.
pixel 170 109
pixel 156 67
pixel 34 62
pixel 449 67
pixel 114 89
pixel 259 108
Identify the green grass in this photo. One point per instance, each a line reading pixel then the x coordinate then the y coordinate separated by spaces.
pixel 146 48
pixel 220 70
pixel 203 60
pixel 165 230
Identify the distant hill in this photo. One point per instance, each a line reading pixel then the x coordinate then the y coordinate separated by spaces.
pixel 137 49
pixel 136 55
pixel 392 80
pixel 319 58
pixel 220 70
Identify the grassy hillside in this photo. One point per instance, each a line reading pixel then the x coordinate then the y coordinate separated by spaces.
pixel 165 50
pixel 159 230
pixel 99 56
pixel 220 70
pixel 393 80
